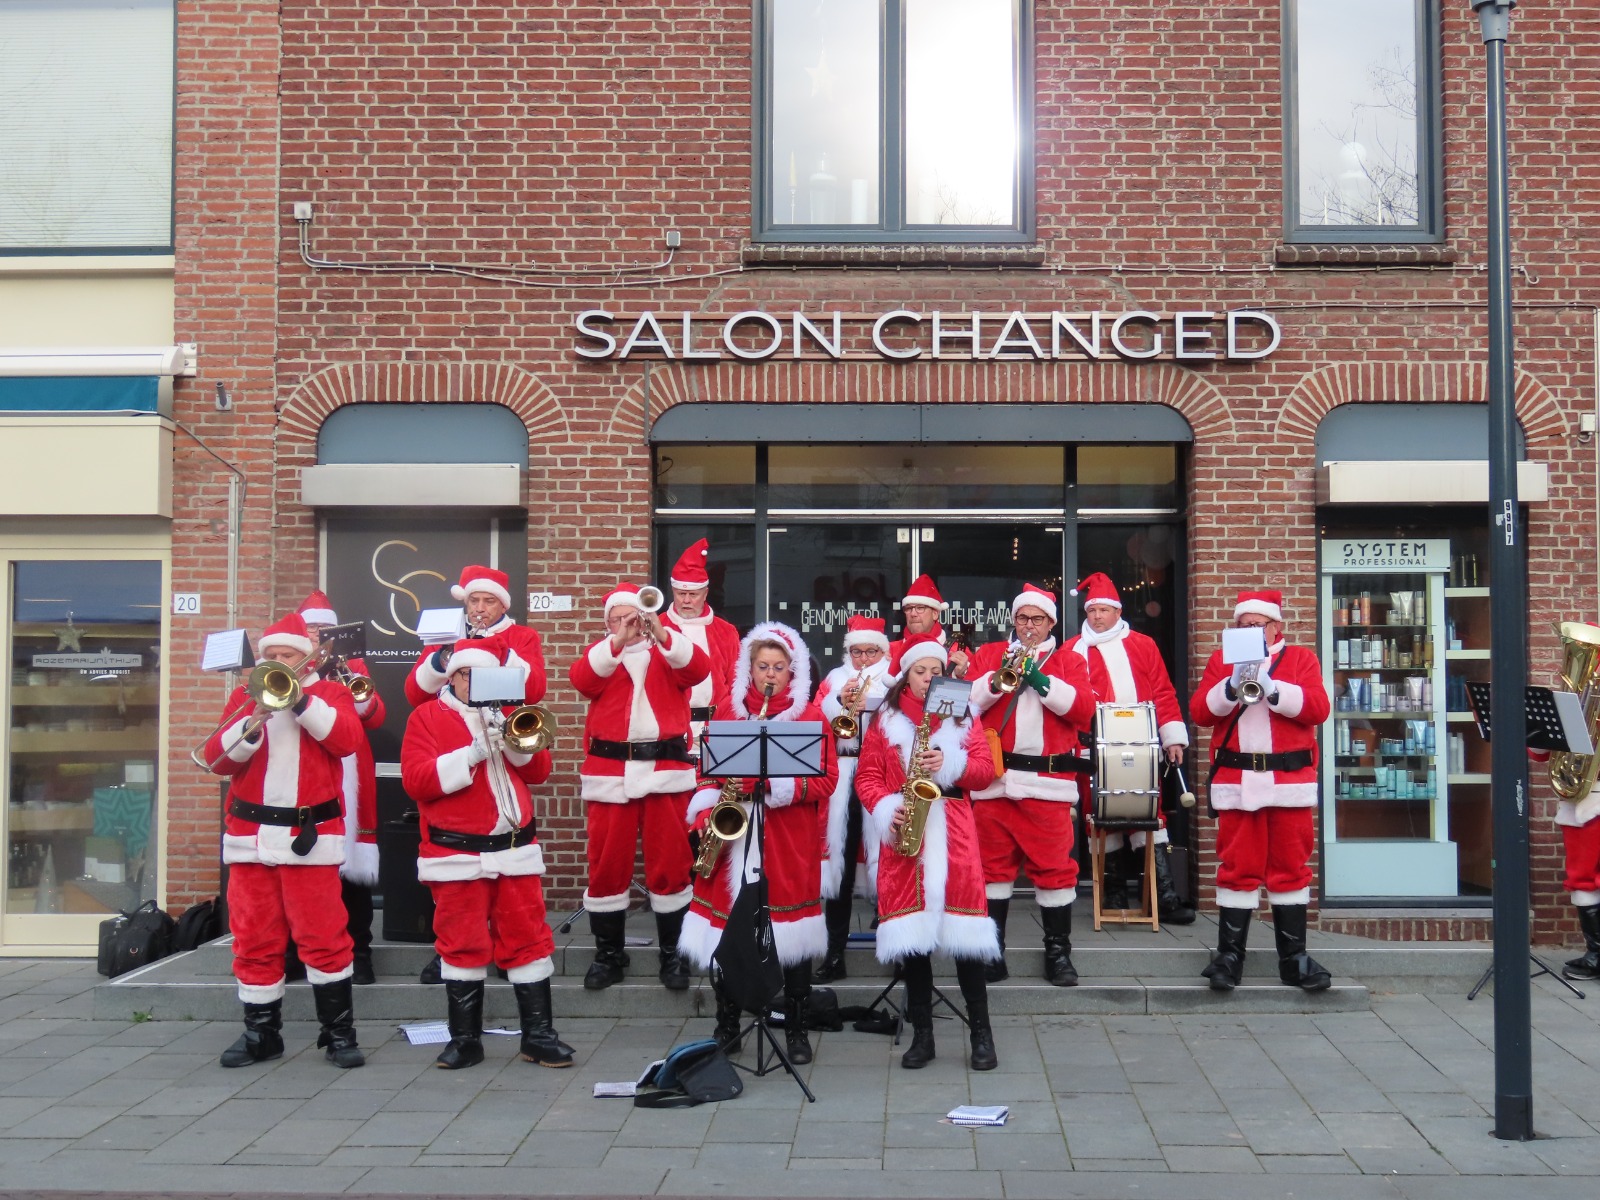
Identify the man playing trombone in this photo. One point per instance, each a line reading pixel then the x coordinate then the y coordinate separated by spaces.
pixel 1264 790
pixel 480 858
pixel 281 744
pixel 637 775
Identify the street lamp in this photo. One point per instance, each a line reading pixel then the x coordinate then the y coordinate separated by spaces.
pixel 1508 602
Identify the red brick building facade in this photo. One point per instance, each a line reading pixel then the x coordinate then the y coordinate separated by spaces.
pixel 483 173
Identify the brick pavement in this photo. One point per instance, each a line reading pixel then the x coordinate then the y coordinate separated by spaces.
pixel 1388 1103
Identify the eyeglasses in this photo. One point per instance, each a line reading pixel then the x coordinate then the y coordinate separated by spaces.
pixel 770 668
pixel 1254 624
pixel 1041 619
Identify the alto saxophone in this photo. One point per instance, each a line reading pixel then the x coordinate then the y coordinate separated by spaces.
pixel 919 793
pixel 728 820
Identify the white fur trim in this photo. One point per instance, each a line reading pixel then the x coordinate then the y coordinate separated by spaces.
pixel 466 974
pixel 703 800
pixel 538 970
pixel 1229 898
pixel 999 891
pixel 780 793
pixel 462 591
pixel 1585 899
pixel 1260 792
pixel 639 779
pixel 1581 813
pixel 1055 897
pixel 292 641
pixel 239 748
pixel 605 904
pixel 800 941
pixel 690 585
pixel 490 864
pixel 678 650
pixel 622 596
pixel 924 601
pixel 601 660
pixel 429 679
pixel 473 656
pixel 1217 700
pixel 1287 699
pixel 881 818
pixel 314 976
pixel 672 901
pixel 920 651
pixel 1174 733
pixel 963 936
pixel 455 767
pixel 319 616
pixel 318 717
pixel 1061 697
pixel 270 847
pixel 867 637
pixel 837 828
pixel 698 940
pixel 265 993
pixel 1299 896
pixel 360 862
pixel 901 937
pixel 799 694
pixel 1045 604
pixel 1259 607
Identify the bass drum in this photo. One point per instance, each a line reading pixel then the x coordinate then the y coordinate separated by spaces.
pixel 1127 766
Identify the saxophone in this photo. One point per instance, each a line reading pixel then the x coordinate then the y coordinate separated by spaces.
pixel 919 794
pixel 728 820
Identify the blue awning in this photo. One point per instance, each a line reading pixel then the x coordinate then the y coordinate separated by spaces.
pixel 119 393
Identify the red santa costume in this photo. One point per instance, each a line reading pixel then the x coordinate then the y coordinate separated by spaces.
pixel 1025 817
pixel 718 638
pixel 481 859
pixel 1264 790
pixel 521 641
pixel 283 840
pixel 875 681
pixel 933 902
pixel 637 774
pixel 923 591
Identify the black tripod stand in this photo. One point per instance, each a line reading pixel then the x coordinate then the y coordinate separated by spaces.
pixel 886 999
pixel 1541 968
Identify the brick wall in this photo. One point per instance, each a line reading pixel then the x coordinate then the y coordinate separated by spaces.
pixel 568 137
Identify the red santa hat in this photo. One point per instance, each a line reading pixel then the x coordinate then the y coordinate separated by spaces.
pixel 623 593
pixel 925 593
pixel 1266 602
pixel 866 631
pixel 317 609
pixel 1098 589
pixel 1036 597
pixel 794 647
pixel 483 579
pixel 689 572
pixel 289 631
pixel 473 652
pixel 921 645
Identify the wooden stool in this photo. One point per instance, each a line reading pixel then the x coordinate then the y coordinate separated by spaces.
pixel 1146 912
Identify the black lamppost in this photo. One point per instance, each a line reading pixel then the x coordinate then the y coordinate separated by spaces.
pixel 1508 614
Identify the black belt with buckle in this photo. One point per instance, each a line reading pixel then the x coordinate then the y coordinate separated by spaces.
pixel 1287 760
pixel 1047 764
pixel 847 753
pixel 304 817
pixel 483 843
pixel 675 748
pixel 703 714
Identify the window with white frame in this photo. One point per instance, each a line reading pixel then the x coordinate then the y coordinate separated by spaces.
pixel 893 120
pixel 87 88
pixel 1362 120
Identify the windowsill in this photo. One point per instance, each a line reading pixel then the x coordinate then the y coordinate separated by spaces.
pixel 87 264
pixel 1365 254
pixel 893 254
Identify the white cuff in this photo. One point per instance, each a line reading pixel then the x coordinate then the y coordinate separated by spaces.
pixel 1174 733
pixel 1286 699
pixel 1061 698
pixel 780 793
pixel 883 815
pixel 318 717
pixel 1217 700
pixel 678 650
pixel 455 768
pixel 601 661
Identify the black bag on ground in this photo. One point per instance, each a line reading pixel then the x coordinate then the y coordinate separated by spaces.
pixel 691 1074
pixel 132 939
pixel 199 924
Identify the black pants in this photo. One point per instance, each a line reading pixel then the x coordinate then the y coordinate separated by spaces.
pixel 852 848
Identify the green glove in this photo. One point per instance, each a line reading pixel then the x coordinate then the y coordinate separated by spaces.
pixel 1037 680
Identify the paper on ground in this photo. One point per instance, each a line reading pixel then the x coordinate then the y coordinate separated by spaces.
pixel 978 1114
pixel 433 1033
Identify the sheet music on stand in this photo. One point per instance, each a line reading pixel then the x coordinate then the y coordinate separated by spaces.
pixel 1555 719
pixel 764 749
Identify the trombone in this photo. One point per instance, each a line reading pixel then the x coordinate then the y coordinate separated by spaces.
pixel 273 688
pixel 528 728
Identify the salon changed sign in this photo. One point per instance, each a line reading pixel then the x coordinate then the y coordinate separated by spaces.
pixel 905 335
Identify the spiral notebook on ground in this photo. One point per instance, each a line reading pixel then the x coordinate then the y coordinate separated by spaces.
pixel 978 1114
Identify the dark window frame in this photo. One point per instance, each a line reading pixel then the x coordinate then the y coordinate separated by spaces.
pixel 1429 228
pixel 891 165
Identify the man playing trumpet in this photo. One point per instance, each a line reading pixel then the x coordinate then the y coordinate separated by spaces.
pixel 485 595
pixel 1036 698
pixel 637 775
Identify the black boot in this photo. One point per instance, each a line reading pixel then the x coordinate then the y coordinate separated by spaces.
pixel 1058 968
pixel 433 972
pixel 674 970
pixel 969 973
pixel 1587 965
pixel 336 1014
pixel 539 1041
pixel 996 972
pixel 1227 964
pixel 796 987
pixel 1114 885
pixel 836 915
pixel 262 1039
pixel 1169 907
pixel 464 998
pixel 610 960
pixel 918 973
pixel 1295 967
pixel 727 1030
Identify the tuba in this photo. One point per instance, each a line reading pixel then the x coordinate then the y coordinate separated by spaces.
pixel 919 794
pixel 528 729
pixel 1573 775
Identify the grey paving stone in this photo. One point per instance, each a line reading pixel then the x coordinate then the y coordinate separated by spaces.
pixel 735 1123
pixel 648 1157
pixel 591 1118
pixel 248 1114
pixel 1101 1165
pixel 373 1156
pixel 1437 1104
pixel 667 1127
pixel 1111 1141
pixel 1008 1150
pixel 836 1164
pixel 906 1131
pixel 567 1149
pixel 751 1156
pixel 1568 1156
pixel 131 1133
pixel 462 1160
pixel 1369 1131
pixel 469 1134
pixel 929 1158
pixel 28 1150
pixel 1391 1160
pixel 1172 1097
pixel 63 1121
pixel 1307 1164
pixel 1467 1144
pixel 199 1146
pixel 303 1135
pixel 1233 1160
pixel 1098 1107
pixel 838 1139
pixel 1294 1135
pixel 1194 1129
pixel 399 1129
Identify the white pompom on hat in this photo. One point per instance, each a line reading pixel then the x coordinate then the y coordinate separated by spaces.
pixel 483 579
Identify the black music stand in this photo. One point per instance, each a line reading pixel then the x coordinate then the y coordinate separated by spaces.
pixel 763 750
pixel 1556 723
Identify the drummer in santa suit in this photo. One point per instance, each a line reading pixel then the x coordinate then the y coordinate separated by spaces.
pixel 485 595
pixel 1264 791
pixel 1025 816
pixel 923 609
pixel 1126 668
pixel 692 616
pixel 855 686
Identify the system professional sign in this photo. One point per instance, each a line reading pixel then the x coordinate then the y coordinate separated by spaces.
pixel 904 335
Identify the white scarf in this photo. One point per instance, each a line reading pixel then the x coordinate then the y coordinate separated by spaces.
pixel 1091 638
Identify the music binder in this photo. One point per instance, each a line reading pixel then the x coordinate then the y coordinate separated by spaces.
pixel 1555 719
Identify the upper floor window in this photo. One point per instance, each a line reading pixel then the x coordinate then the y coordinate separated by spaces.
pixel 893 120
pixel 87 136
pixel 1362 120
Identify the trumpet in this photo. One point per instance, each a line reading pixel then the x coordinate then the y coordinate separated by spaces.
pixel 1007 677
pixel 528 728
pixel 919 793
pixel 847 725
pixel 1250 689
pixel 651 598
pixel 273 688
